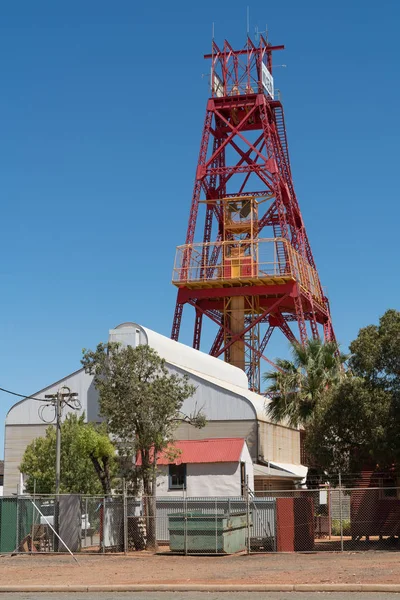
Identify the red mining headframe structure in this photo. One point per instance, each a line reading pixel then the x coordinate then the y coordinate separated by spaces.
pixel 253 271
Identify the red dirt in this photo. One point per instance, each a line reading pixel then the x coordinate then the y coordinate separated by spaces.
pixel 373 567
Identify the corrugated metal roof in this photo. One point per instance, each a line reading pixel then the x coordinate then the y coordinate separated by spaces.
pixel 216 450
pixel 298 470
pixel 272 472
pixel 181 355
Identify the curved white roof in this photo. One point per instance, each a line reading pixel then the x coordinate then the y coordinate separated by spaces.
pixel 193 362
pixel 209 368
pixel 182 356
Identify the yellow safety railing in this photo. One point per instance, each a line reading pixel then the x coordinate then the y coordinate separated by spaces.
pixel 243 260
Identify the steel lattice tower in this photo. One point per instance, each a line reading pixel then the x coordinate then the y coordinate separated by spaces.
pixel 253 272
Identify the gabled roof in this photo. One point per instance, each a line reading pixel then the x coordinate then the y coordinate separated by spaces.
pixel 216 450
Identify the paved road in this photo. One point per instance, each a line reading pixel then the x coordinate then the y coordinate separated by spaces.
pixel 202 596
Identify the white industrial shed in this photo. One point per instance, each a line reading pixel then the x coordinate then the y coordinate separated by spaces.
pixel 221 392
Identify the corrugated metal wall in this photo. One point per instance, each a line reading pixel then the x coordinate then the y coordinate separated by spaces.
pixel 280 444
pixel 17 437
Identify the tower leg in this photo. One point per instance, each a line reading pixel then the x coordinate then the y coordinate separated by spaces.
pixel 197 330
pixel 300 317
pixel 284 327
pixel 252 375
pixel 176 325
pixel 219 340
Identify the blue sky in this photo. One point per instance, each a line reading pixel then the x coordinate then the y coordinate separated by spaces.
pixel 102 106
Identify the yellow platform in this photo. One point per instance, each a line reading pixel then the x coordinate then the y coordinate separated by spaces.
pixel 234 282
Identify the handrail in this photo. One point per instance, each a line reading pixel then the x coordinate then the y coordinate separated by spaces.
pixel 247 259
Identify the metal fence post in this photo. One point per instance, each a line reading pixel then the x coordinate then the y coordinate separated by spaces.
pixel 248 515
pixel 185 517
pixel 17 526
pixel 33 517
pixel 329 511
pixel 341 512
pixel 86 520
pixel 103 549
pixel 216 527
pixel 125 517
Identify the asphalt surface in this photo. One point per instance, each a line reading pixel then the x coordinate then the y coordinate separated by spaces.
pixel 201 596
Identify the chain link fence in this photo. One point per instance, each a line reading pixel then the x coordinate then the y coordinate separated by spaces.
pixel 330 518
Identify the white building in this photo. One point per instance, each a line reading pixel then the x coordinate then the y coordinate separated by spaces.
pixel 216 467
pixel 221 393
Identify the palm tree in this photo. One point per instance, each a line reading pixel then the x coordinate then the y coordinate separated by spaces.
pixel 295 388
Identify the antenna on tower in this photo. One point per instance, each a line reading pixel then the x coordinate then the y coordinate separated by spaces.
pixel 213 31
pixel 248 21
pixel 258 33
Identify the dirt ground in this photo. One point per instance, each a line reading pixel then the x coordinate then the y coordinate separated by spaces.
pixel 373 567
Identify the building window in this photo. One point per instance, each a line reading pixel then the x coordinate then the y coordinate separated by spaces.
pixel 388 488
pixel 177 477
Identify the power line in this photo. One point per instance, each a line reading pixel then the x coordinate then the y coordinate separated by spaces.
pixel 22 395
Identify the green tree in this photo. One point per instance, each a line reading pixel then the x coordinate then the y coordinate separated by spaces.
pixel 87 459
pixel 357 423
pixel 141 402
pixel 375 353
pixel 298 384
pixel 349 426
pixel 93 441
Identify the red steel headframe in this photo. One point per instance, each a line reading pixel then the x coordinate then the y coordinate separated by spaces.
pixel 244 152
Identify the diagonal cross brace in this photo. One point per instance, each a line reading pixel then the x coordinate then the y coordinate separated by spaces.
pixel 210 316
pixel 236 337
pixel 235 131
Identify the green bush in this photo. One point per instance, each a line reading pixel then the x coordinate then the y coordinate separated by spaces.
pixel 336 527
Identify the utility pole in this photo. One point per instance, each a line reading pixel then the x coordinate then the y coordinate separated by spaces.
pixel 63 397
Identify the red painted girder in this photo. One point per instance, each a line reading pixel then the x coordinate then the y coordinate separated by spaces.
pixel 256 166
pixel 219 340
pixel 243 158
pixel 276 179
pixel 226 103
pixel 236 130
pixel 206 239
pixel 253 126
pixel 184 294
pixel 265 219
pixel 177 321
pixel 255 350
pixel 197 330
pixel 258 194
pixel 286 173
pixel 262 347
pixel 300 319
pixel 250 168
pixel 254 322
pixel 219 159
pixel 217 304
pixel 197 186
pixel 284 327
pixel 239 52
pixel 213 299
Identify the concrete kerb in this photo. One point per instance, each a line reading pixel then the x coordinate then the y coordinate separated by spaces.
pixel 170 587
